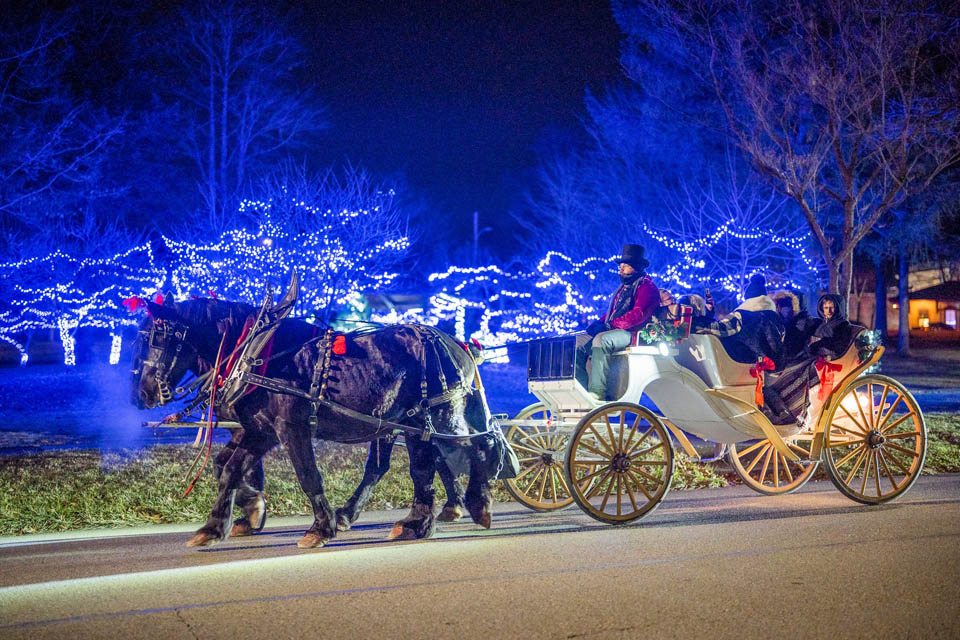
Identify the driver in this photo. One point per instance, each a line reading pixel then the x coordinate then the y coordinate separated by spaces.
pixel 632 305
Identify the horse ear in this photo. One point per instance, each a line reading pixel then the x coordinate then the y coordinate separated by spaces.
pixel 162 312
pixel 168 299
pixel 292 293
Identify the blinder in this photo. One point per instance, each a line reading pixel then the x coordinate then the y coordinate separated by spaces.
pixel 161 347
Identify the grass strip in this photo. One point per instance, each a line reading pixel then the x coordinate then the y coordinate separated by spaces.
pixel 82 489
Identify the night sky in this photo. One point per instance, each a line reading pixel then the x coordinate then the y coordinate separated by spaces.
pixel 461 96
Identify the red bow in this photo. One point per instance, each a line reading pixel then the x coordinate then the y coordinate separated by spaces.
pixel 340 345
pixel 763 364
pixel 826 370
pixel 133 303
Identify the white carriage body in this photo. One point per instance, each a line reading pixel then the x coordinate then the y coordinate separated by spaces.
pixel 677 379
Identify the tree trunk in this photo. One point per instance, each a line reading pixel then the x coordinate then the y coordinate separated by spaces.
pixel 903 331
pixel 880 294
pixel 846 281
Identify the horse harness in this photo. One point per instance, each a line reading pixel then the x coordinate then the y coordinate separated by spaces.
pixel 319 382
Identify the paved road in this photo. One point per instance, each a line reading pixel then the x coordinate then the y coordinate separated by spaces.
pixel 717 563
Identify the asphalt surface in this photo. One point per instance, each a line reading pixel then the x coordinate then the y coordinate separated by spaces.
pixel 721 563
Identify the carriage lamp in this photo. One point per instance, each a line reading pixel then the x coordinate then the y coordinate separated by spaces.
pixel 664 349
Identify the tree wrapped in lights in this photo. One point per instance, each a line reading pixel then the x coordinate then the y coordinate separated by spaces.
pixel 63 292
pixel 560 294
pixel 727 232
pixel 556 297
pixel 341 233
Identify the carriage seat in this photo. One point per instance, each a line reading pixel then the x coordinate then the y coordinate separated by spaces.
pixel 705 356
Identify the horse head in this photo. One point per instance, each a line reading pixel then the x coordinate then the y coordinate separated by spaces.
pixel 162 355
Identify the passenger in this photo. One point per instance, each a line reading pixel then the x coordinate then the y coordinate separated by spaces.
pixel 753 330
pixel 699 306
pixel 632 305
pixel 798 325
pixel 669 310
pixel 834 332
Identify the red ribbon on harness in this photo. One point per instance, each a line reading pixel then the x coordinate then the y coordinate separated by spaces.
pixel 133 303
pixel 764 364
pixel 826 369
pixel 340 345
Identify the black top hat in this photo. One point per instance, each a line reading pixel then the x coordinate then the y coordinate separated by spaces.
pixel 757 286
pixel 633 256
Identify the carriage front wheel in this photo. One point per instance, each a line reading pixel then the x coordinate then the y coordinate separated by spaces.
pixel 540 484
pixel 767 471
pixel 619 463
pixel 875 440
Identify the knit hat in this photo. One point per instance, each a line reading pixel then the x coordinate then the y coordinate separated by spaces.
pixel 757 287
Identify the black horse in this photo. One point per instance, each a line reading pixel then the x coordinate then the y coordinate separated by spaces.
pixel 380 374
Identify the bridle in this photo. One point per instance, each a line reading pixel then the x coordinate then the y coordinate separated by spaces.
pixel 161 347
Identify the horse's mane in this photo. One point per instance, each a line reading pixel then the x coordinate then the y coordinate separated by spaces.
pixel 201 311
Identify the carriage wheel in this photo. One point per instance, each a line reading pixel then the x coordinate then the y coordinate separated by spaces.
pixel 619 463
pixel 875 440
pixel 540 485
pixel 766 470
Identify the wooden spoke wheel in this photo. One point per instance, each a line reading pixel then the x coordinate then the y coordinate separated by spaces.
pixel 875 440
pixel 766 470
pixel 619 463
pixel 540 484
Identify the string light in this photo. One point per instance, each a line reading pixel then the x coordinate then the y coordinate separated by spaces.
pixel 558 296
pixel 116 342
pixel 63 292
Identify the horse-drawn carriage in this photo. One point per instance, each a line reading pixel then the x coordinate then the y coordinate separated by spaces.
pixel 616 459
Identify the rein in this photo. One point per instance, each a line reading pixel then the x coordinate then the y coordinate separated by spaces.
pixel 206 430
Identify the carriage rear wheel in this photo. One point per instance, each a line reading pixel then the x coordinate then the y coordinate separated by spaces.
pixel 619 463
pixel 540 485
pixel 875 440
pixel 767 471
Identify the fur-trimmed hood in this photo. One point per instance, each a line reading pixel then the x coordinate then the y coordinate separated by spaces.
pixel 789 295
pixel 758 303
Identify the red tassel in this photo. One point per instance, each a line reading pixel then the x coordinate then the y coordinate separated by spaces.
pixel 764 364
pixel 340 345
pixel 158 299
pixel 213 295
pixel 133 303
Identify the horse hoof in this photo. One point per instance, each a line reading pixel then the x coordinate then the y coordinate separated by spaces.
pixel 241 529
pixel 202 539
pixel 258 515
pixel 450 514
pixel 400 532
pixel 311 540
pixel 485 520
pixel 343 525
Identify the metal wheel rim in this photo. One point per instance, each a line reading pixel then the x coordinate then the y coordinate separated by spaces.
pixel 596 455
pixel 874 449
pixel 767 471
pixel 540 485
